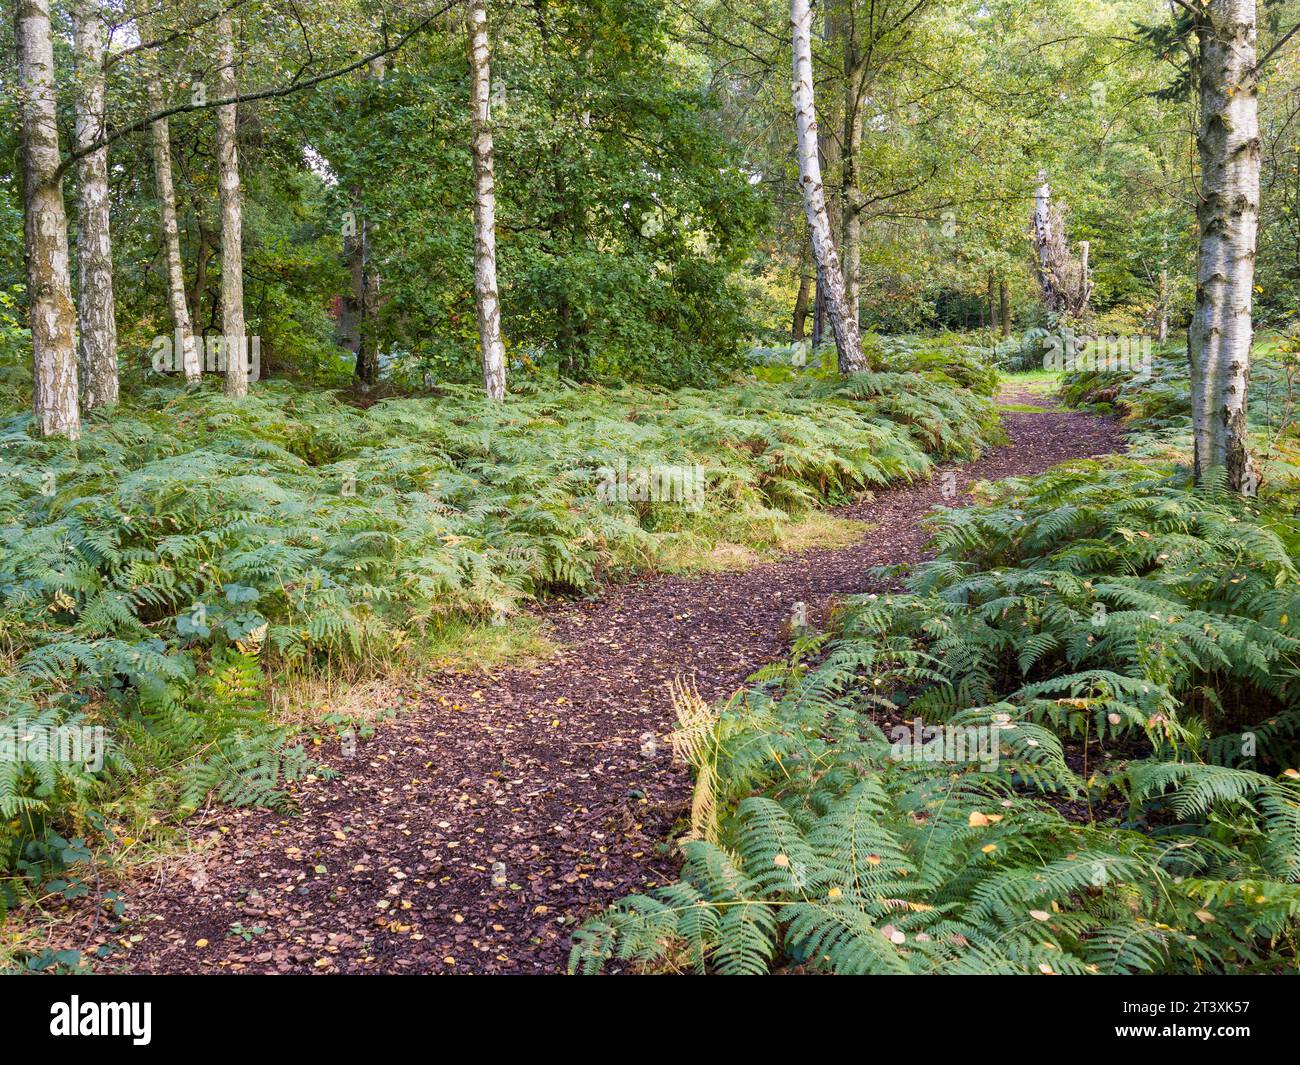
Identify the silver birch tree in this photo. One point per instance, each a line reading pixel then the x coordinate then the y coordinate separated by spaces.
pixel 1219 340
pixel 234 344
pixel 45 228
pixel 96 317
pixel 848 343
pixel 485 206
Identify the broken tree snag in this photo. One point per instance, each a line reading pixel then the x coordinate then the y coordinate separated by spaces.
pixel 1219 340
pixel 1043 243
pixel 848 344
pixel 1062 278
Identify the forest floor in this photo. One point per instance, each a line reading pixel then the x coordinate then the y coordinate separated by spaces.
pixel 474 832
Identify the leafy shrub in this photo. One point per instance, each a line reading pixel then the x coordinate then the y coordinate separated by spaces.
pixel 1155 400
pixel 951 359
pixel 1158 397
pixel 946 360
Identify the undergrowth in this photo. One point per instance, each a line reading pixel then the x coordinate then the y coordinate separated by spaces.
pixel 189 555
pixel 1155 400
pixel 1068 744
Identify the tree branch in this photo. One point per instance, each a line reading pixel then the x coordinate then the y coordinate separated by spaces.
pixel 115 57
pixel 1276 46
pixel 262 94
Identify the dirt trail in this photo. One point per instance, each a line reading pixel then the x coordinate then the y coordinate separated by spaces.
pixel 393 867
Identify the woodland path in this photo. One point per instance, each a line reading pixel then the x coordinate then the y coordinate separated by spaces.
pixel 389 867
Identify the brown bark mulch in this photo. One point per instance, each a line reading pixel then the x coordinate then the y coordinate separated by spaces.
pixel 473 833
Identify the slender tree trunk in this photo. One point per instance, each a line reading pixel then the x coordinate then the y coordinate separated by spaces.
pixel 802 296
pixel 1162 308
pixel 799 325
pixel 819 311
pixel 993 303
pixel 1220 337
pixel 848 344
pixel 357 249
pixel 485 206
pixel 1084 292
pixel 234 344
pixel 96 317
pixel 852 197
pixel 365 275
pixel 45 228
pixel 1004 305
pixel 199 282
pixel 365 299
pixel 368 353
pixel 827 145
pixel 183 331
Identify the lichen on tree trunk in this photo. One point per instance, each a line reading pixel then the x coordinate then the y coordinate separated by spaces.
pixel 96 316
pixel 234 343
pixel 854 201
pixel 485 207
pixel 45 229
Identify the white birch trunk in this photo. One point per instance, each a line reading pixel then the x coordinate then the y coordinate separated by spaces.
pixel 1219 340
pixel 848 344
pixel 96 317
pixel 485 207
pixel 45 228
pixel 234 344
pixel 162 165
